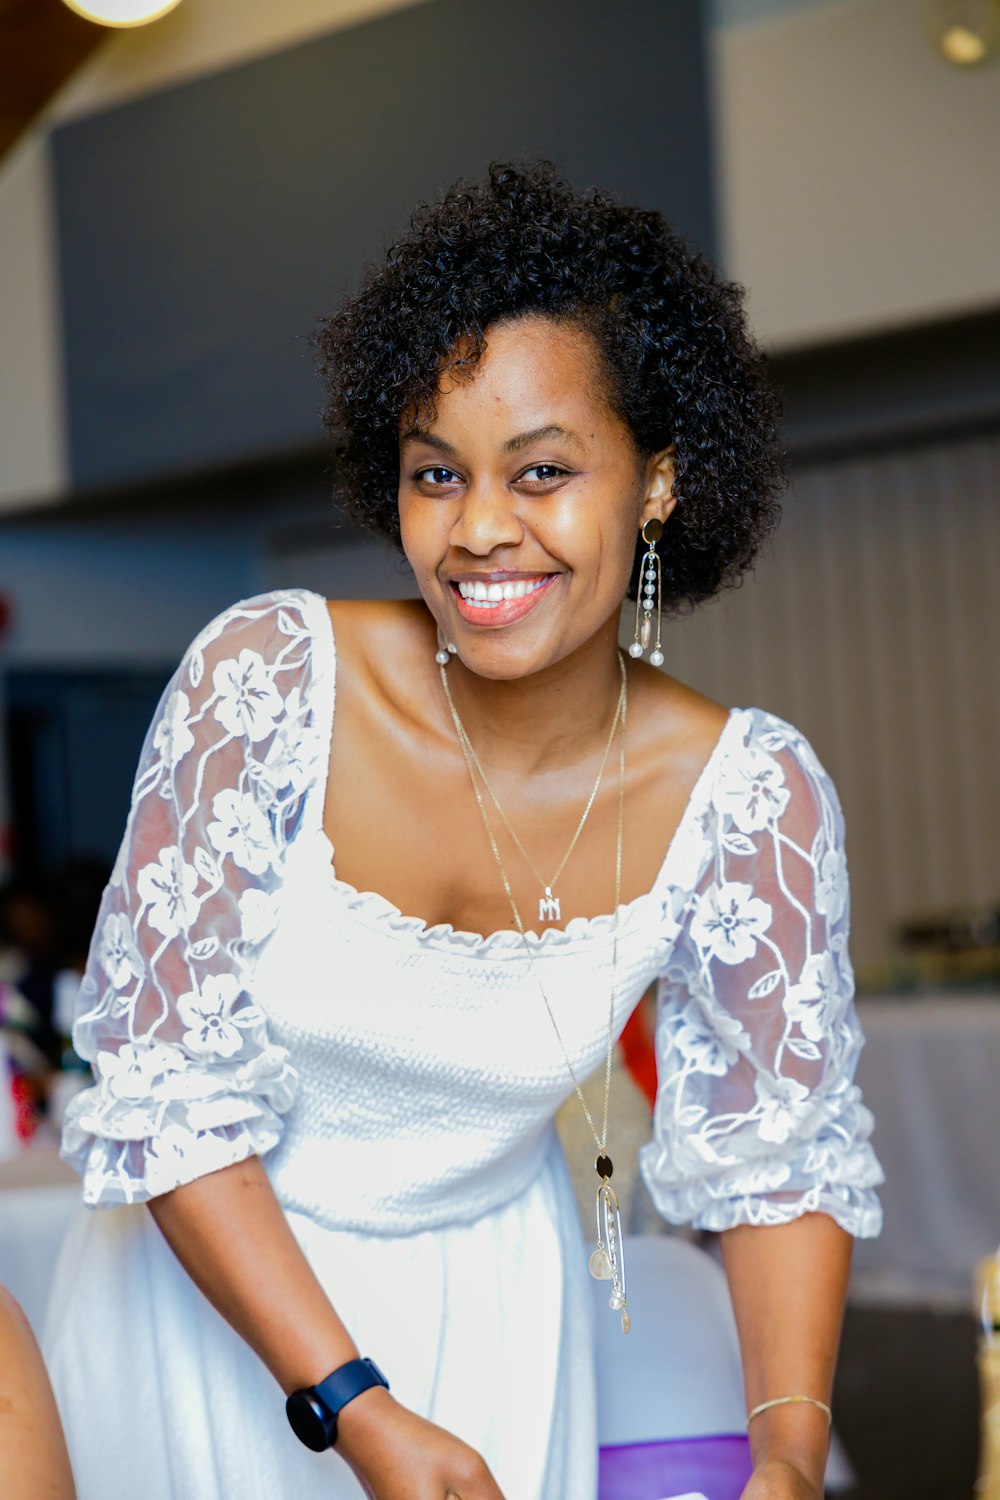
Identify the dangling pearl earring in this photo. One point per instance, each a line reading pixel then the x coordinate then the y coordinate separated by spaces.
pixel 445 650
pixel 649 596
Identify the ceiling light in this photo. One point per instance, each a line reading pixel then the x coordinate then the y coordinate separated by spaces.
pixel 122 12
pixel 965 32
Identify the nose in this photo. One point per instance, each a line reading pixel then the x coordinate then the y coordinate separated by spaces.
pixel 487 520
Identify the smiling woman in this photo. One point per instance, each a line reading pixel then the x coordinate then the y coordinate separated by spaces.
pixel 330 1047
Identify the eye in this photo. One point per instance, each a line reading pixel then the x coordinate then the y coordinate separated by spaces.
pixel 436 476
pixel 543 474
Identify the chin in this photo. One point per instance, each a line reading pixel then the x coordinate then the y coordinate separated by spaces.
pixel 508 661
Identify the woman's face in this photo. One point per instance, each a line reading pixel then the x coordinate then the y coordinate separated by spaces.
pixel 520 502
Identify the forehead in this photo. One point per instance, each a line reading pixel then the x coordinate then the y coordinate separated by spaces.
pixel 532 372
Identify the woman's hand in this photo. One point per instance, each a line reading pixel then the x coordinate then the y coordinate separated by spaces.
pixel 399 1456
pixel 777 1480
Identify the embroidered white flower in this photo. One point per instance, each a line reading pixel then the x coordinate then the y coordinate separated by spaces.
pixel 248 702
pixel 133 1071
pixel 117 953
pixel 242 830
pixel 808 1001
pixel 295 754
pixel 710 1045
pixel 207 1014
pixel 782 1103
pixel 751 788
pixel 172 736
pixel 831 885
pixel 167 888
pixel 258 915
pixel 728 921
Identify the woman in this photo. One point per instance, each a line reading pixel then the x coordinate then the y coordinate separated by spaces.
pixel 335 1082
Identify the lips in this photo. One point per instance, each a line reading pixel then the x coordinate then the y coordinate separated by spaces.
pixel 496 601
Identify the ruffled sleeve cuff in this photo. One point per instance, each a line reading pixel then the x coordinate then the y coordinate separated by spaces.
pixel 832 1174
pixel 152 1122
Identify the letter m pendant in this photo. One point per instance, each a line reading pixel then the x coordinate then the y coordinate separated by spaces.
pixel 548 907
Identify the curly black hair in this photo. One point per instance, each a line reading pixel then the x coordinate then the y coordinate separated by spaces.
pixel 679 362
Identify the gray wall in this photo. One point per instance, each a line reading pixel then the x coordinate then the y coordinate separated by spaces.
pixel 204 229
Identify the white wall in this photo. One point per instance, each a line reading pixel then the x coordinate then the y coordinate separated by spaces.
pixel 857 172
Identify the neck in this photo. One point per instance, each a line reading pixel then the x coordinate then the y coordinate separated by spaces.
pixel 548 720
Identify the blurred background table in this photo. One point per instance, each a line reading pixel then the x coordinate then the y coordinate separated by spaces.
pixel 38 1196
pixel 930 1073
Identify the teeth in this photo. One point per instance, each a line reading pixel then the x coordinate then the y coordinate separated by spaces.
pixel 488 595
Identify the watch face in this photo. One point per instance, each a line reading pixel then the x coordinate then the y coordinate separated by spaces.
pixel 311 1423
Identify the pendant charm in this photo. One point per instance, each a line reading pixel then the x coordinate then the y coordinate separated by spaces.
pixel 600 1265
pixel 607 1262
pixel 548 907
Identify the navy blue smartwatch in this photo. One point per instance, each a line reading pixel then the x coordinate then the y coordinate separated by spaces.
pixel 313 1412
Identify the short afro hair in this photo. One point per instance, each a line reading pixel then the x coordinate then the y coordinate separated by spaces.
pixel 681 367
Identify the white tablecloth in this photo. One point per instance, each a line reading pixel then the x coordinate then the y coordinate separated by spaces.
pixel 931 1075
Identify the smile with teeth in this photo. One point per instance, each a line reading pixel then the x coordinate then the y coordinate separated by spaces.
pixel 488 595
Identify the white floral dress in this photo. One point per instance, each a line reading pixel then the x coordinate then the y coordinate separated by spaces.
pixel 400 1082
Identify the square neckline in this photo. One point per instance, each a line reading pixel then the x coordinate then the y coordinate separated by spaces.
pixel 381 909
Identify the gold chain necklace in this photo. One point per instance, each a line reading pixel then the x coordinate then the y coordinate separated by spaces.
pixel 607 1259
pixel 549 905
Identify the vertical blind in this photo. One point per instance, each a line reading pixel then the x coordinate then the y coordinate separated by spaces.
pixel 872 622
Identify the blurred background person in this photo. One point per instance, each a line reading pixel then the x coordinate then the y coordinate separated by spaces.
pixel 33 1458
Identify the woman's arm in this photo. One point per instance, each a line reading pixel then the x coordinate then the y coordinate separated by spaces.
pixel 788 1284
pixel 33 1458
pixel 229 1232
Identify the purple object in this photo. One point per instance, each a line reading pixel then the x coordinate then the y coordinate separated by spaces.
pixel 717 1466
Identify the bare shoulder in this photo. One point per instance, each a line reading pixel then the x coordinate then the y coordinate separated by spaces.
pixel 33 1455
pixel 674 727
pixel 380 623
pixel 385 645
pixel 15 1332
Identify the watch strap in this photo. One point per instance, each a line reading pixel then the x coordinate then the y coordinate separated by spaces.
pixel 346 1382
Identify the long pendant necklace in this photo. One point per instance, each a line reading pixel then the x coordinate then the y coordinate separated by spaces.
pixel 607 1262
pixel 549 905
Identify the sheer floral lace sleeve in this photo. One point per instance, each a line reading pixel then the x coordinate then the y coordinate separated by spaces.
pixel 186 1080
pixel 757 1117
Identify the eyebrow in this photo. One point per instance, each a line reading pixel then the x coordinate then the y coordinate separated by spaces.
pixel 512 445
pixel 421 435
pixel 525 439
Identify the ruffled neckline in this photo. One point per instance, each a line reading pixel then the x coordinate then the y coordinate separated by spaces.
pixel 378 910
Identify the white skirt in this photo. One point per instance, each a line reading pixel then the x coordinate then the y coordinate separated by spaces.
pixel 484 1328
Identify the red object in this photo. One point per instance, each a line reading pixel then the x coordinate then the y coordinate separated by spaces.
pixel 639 1052
pixel 25 1118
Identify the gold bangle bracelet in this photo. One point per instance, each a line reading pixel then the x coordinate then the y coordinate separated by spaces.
pixel 788 1401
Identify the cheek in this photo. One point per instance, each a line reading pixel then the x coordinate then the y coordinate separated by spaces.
pixel 421 536
pixel 607 530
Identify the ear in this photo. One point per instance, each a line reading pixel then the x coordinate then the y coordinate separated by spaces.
pixel 660 498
